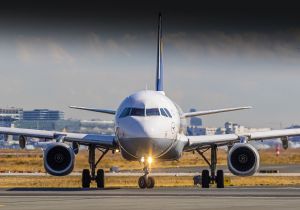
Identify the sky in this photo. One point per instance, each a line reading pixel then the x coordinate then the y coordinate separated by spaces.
pixel 95 54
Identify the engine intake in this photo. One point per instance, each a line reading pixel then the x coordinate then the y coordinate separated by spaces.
pixel 243 159
pixel 59 159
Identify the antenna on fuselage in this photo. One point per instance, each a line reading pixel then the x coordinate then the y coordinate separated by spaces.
pixel 159 64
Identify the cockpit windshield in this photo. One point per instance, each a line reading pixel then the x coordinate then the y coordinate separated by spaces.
pixel 137 112
pixel 167 111
pixel 152 112
pixel 125 112
pixel 163 112
pixel 130 111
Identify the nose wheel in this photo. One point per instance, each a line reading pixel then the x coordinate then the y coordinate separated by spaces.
pixel 146 181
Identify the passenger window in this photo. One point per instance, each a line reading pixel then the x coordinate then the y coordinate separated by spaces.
pixel 137 112
pixel 152 112
pixel 167 111
pixel 125 113
pixel 163 113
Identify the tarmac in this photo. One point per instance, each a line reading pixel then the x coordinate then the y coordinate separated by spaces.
pixel 280 169
pixel 158 198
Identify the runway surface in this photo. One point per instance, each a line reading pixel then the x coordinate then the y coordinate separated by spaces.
pixel 281 169
pixel 160 198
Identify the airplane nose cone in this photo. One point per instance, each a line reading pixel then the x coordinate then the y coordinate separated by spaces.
pixel 141 137
pixel 141 128
pixel 133 128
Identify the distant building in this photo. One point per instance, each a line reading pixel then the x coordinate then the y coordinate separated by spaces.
pixel 220 131
pixel 195 125
pixel 42 114
pixel 195 121
pixel 97 126
pixel 69 125
pixel 8 116
pixel 198 131
pixel 240 129
pixel 43 119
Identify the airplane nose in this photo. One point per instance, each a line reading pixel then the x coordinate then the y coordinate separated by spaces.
pixel 133 128
pixel 142 137
pixel 140 128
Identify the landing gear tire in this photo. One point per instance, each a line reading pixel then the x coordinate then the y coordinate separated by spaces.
pixel 100 178
pixel 86 178
pixel 142 182
pixel 205 179
pixel 220 179
pixel 150 182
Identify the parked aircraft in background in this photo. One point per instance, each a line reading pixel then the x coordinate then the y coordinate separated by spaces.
pixel 149 126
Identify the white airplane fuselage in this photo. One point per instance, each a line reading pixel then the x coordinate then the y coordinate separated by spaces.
pixel 144 128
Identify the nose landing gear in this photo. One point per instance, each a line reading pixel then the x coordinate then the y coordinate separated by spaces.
pixel 146 181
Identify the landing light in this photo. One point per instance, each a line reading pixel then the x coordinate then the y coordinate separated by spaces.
pixel 149 160
pixel 142 159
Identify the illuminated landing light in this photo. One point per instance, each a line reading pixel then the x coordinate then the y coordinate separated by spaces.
pixel 149 160
pixel 117 150
pixel 142 159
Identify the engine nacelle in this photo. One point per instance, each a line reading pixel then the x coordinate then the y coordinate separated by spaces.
pixel 243 159
pixel 59 159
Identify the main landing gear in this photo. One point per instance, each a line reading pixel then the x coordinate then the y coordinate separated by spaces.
pixel 146 181
pixel 89 176
pixel 213 177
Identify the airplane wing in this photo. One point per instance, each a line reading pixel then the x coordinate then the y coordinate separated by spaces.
pixel 106 111
pixel 195 142
pixel 106 141
pixel 200 113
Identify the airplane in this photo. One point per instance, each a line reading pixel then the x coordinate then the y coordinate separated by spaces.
pixel 149 126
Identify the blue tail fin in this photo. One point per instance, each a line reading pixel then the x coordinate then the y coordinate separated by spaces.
pixel 159 65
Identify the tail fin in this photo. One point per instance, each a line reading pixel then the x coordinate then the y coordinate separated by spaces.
pixel 159 65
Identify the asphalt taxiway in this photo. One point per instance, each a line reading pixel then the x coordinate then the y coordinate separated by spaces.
pixel 159 198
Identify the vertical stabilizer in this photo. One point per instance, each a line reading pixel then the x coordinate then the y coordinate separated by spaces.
pixel 159 65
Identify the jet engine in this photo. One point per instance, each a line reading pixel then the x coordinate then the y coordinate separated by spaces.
pixel 59 159
pixel 243 159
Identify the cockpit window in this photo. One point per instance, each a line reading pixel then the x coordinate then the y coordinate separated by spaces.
pixel 168 113
pixel 137 112
pixel 125 112
pixel 163 112
pixel 128 111
pixel 152 112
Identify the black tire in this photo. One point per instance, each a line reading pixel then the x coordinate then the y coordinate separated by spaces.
pixel 220 179
pixel 142 182
pixel 100 178
pixel 150 182
pixel 205 179
pixel 197 180
pixel 86 178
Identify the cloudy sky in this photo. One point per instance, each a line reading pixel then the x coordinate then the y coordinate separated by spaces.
pixel 95 55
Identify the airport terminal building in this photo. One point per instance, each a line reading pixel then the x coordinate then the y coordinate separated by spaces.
pixel 8 116
pixel 43 119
